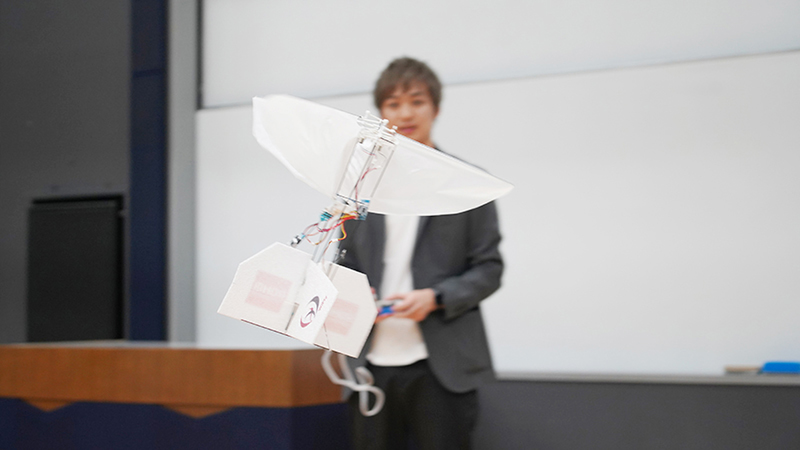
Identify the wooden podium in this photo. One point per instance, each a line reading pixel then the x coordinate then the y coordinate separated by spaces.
pixel 190 380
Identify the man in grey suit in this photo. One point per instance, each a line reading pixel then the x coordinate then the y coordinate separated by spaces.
pixel 430 354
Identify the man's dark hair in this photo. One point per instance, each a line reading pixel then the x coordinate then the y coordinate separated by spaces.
pixel 403 72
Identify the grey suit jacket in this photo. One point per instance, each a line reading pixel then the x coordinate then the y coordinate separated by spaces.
pixel 456 255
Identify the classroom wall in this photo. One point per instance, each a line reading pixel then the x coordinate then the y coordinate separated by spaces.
pixel 64 121
pixel 324 48
pixel 30 165
pixel 182 103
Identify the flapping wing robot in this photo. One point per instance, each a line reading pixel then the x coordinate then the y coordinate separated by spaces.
pixel 362 165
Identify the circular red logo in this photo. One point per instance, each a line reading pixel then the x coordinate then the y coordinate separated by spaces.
pixel 313 306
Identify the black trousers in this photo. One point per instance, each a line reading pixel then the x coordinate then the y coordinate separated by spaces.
pixel 418 413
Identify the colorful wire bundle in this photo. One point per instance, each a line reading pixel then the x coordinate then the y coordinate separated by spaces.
pixel 324 226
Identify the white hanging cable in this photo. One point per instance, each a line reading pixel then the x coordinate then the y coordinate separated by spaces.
pixel 364 385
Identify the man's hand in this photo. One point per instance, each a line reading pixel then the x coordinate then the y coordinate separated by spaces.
pixel 415 305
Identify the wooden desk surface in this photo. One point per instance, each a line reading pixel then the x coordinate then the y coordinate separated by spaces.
pixel 191 380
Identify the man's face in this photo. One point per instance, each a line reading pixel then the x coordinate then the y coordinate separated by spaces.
pixel 411 111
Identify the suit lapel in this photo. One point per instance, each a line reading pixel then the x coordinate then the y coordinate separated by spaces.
pixel 378 240
pixel 423 222
pixel 376 244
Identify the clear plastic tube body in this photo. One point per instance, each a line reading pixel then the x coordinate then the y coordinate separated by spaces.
pixel 369 157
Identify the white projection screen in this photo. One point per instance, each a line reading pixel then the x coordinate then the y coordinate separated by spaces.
pixel 652 229
pixel 654 148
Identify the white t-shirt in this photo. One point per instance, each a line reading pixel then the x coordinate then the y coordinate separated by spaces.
pixel 395 341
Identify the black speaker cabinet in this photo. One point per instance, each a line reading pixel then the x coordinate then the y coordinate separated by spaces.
pixel 75 269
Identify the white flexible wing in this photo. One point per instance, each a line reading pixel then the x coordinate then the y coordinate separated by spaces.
pixel 309 139
pixel 314 142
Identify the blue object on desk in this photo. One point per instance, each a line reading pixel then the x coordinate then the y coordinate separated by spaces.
pixel 781 367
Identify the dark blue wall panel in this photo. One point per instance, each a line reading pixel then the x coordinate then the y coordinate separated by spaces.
pixel 127 426
pixel 148 184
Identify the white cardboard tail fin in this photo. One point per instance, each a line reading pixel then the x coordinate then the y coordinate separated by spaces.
pixel 281 289
pixel 351 318
pixel 265 286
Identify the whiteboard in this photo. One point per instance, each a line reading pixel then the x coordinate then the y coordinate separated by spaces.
pixel 652 229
